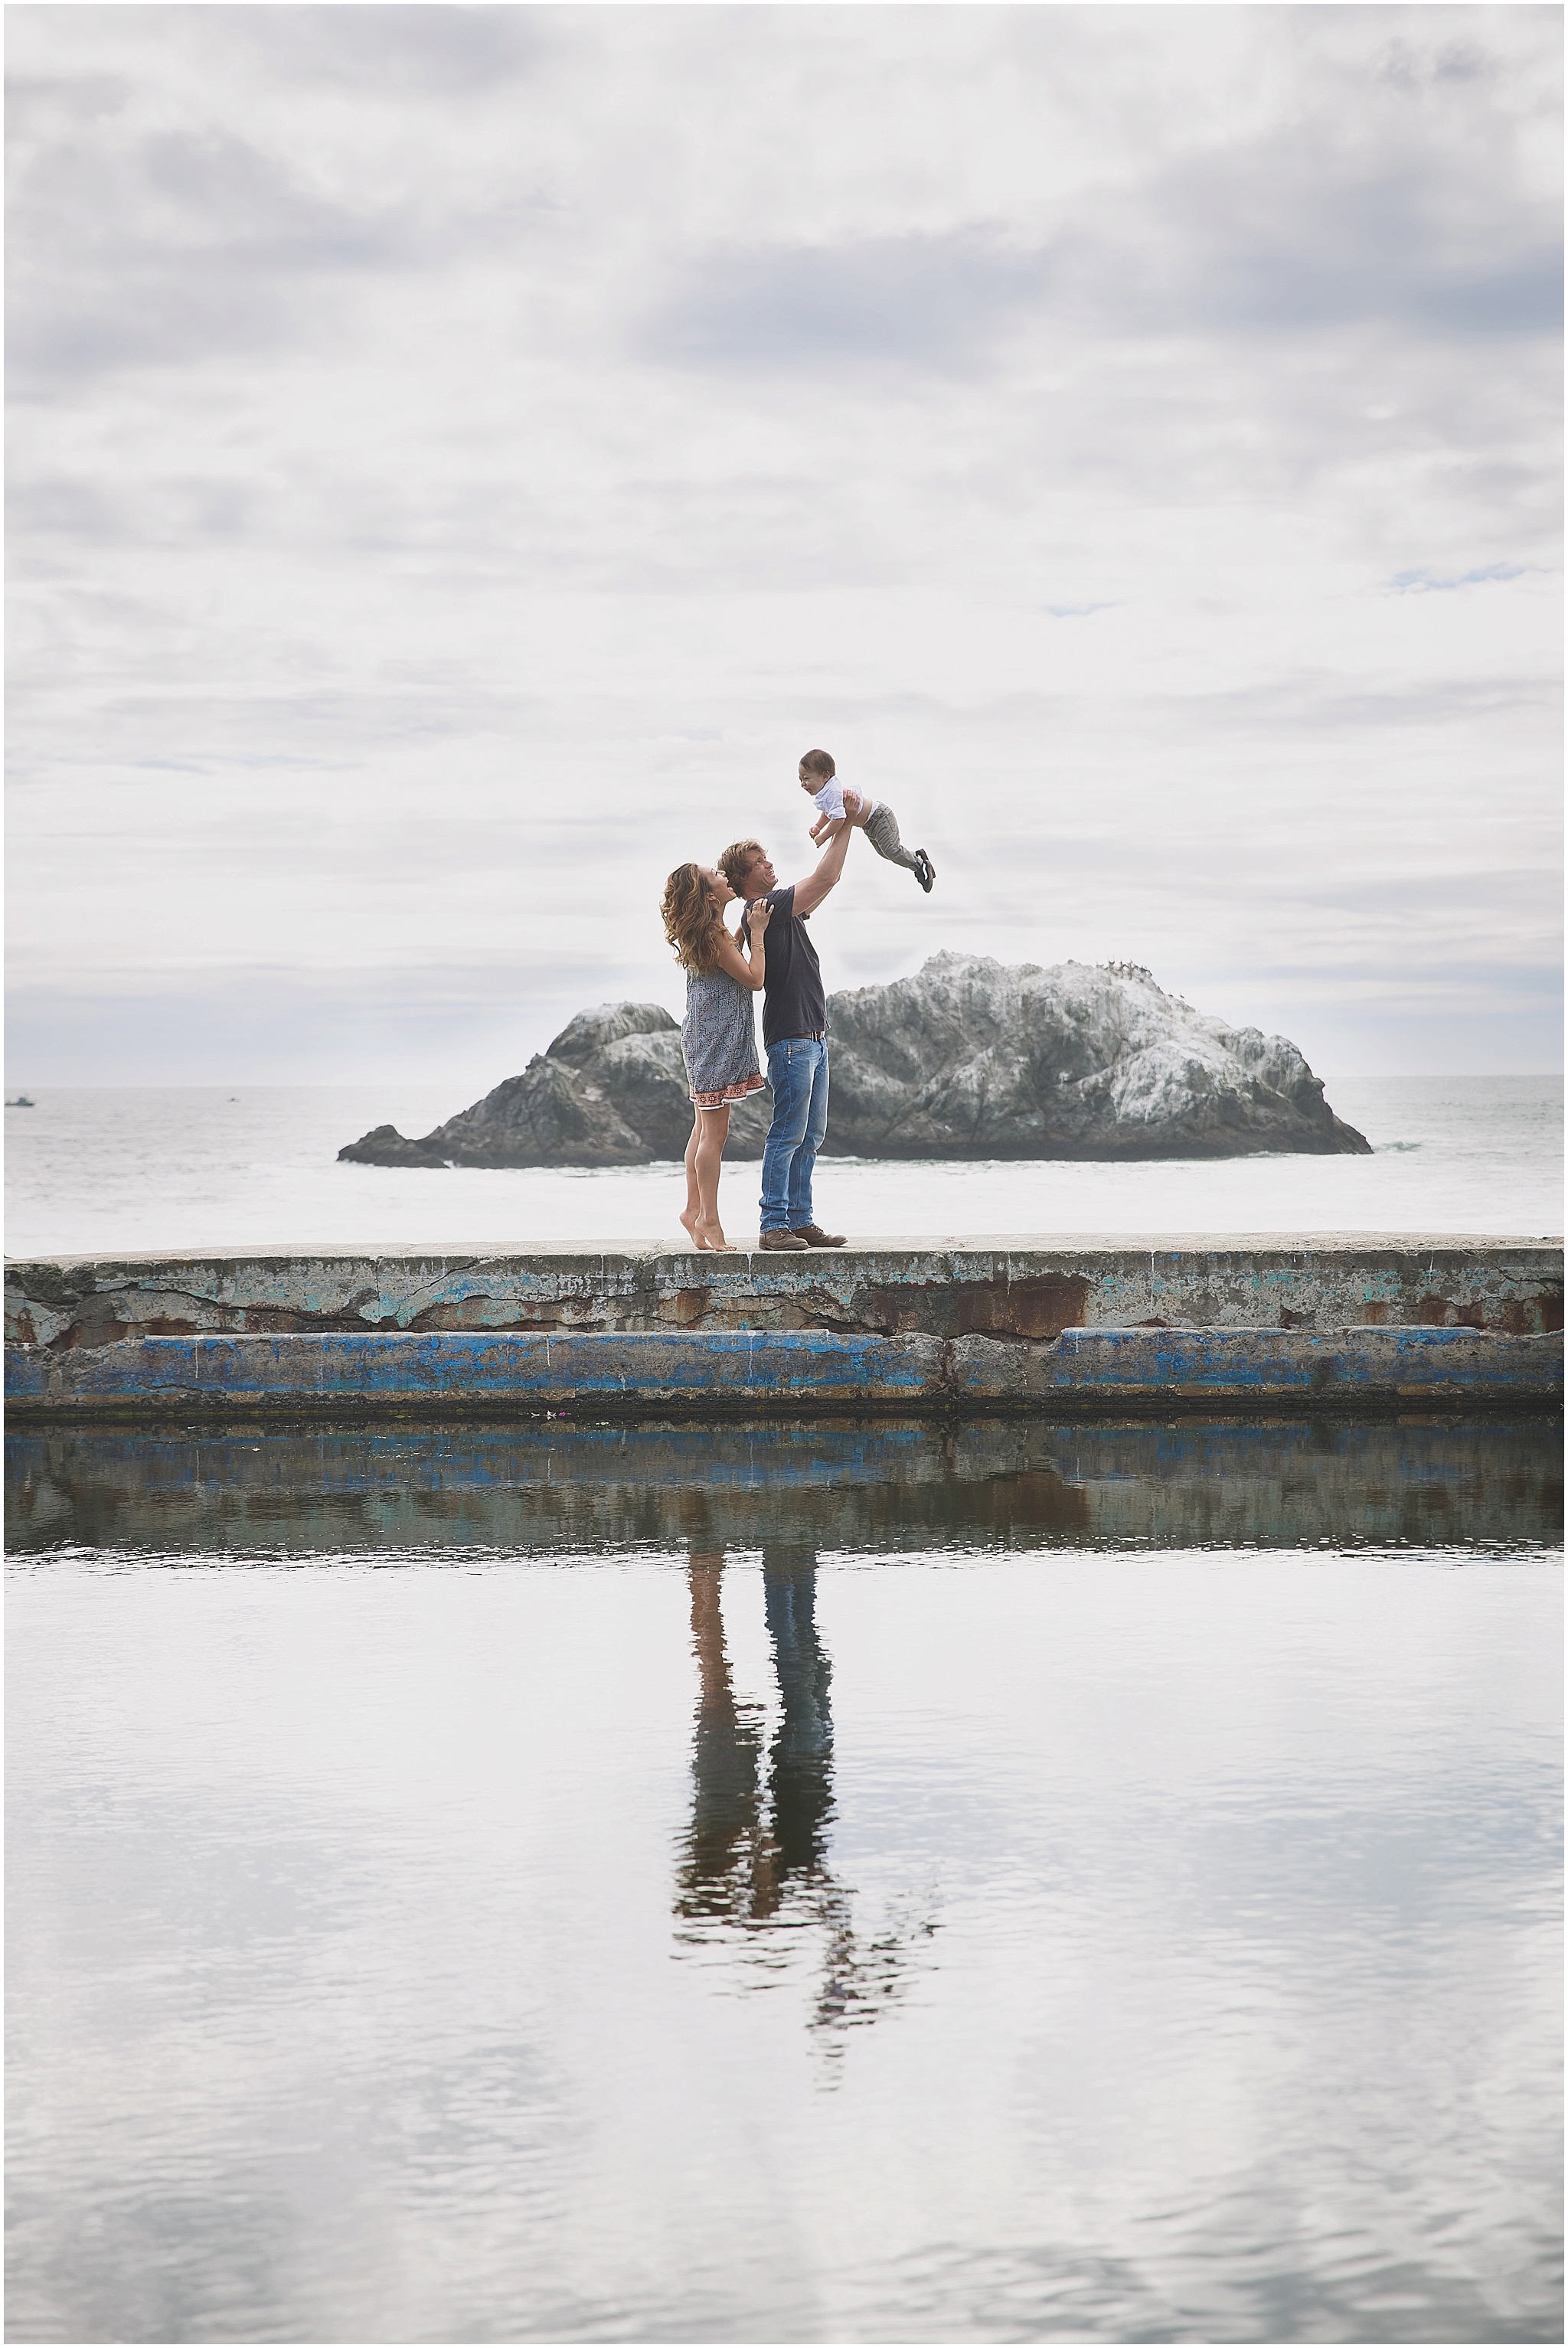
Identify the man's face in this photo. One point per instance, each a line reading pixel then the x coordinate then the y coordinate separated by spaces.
pixel 761 877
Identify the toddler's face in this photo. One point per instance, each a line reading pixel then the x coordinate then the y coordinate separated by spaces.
pixel 813 783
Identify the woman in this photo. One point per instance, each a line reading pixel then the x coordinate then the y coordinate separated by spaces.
pixel 718 1033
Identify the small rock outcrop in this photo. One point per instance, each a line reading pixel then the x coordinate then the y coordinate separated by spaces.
pixel 611 1090
pixel 969 1058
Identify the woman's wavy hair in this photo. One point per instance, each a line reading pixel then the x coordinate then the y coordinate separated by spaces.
pixel 693 923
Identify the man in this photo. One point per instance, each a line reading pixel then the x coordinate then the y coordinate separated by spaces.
pixel 794 1031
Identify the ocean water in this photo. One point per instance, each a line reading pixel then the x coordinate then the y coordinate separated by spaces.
pixel 785 1884
pixel 105 1170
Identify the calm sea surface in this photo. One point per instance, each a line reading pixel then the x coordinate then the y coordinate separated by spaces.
pixel 1018 1882
pixel 104 1171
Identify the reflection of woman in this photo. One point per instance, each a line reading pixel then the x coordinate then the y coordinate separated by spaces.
pixel 724 1850
pixel 718 1035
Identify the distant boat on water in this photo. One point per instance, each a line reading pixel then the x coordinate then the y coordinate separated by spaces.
pixel 21 1101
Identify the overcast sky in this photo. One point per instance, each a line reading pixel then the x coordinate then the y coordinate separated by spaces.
pixel 461 457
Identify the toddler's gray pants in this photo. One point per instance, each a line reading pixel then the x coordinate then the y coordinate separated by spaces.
pixel 881 831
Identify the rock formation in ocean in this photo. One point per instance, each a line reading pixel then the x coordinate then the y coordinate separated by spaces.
pixel 969 1058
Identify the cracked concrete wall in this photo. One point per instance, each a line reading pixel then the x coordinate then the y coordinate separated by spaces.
pixel 1024 1289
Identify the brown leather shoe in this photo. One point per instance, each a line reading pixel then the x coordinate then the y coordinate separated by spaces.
pixel 783 1240
pixel 815 1236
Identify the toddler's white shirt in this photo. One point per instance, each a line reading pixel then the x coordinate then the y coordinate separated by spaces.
pixel 830 799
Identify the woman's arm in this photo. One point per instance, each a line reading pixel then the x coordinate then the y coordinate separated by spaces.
pixel 752 974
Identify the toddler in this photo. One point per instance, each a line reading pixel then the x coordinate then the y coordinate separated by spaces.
pixel 819 776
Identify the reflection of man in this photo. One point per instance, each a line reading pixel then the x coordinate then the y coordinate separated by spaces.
pixel 800 1777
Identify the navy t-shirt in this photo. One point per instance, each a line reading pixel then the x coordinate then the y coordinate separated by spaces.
pixel 793 1002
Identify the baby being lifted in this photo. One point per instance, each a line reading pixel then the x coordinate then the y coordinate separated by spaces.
pixel 819 776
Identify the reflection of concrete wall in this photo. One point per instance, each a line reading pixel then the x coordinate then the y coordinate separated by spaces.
pixel 895 1487
pixel 945 1289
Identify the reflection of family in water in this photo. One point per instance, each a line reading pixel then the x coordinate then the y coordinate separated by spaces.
pixel 757 1855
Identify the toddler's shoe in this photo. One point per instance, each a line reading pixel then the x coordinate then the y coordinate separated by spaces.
pixel 927 873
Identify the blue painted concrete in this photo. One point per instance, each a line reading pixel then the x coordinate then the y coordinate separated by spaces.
pixel 1294 1362
pixel 725 1370
pixel 473 1365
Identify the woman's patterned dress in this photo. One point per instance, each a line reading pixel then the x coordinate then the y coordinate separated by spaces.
pixel 718 1036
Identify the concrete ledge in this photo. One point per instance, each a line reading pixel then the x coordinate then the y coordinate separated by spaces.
pixel 1029 1288
pixel 717 1373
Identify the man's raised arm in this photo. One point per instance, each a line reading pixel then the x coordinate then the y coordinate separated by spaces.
pixel 809 892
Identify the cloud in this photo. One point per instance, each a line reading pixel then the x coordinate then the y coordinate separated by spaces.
pixel 418 55
pixel 937 301
pixel 462 1022
pixel 34 100
pixel 1259 242
pixel 180 248
pixel 1292 241
pixel 140 241
pixel 460 455
pixel 1423 582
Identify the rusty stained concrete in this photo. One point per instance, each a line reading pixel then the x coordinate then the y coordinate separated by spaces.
pixel 1030 1289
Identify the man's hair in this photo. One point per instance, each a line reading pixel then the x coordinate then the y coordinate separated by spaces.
pixel 817 762
pixel 736 861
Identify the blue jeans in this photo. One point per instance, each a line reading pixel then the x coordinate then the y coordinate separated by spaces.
pixel 797 1072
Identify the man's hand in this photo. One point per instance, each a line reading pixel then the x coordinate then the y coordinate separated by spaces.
pixel 855 808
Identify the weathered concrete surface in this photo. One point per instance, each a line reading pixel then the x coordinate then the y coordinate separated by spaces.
pixel 1021 1483
pixel 1028 1288
pixel 714 1372
pixel 968 1058
pixel 1337 1366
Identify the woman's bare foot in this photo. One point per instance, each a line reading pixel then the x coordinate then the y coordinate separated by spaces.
pixel 711 1236
pixel 691 1219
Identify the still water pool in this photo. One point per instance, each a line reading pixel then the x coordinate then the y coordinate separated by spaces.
pixel 1093 1883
